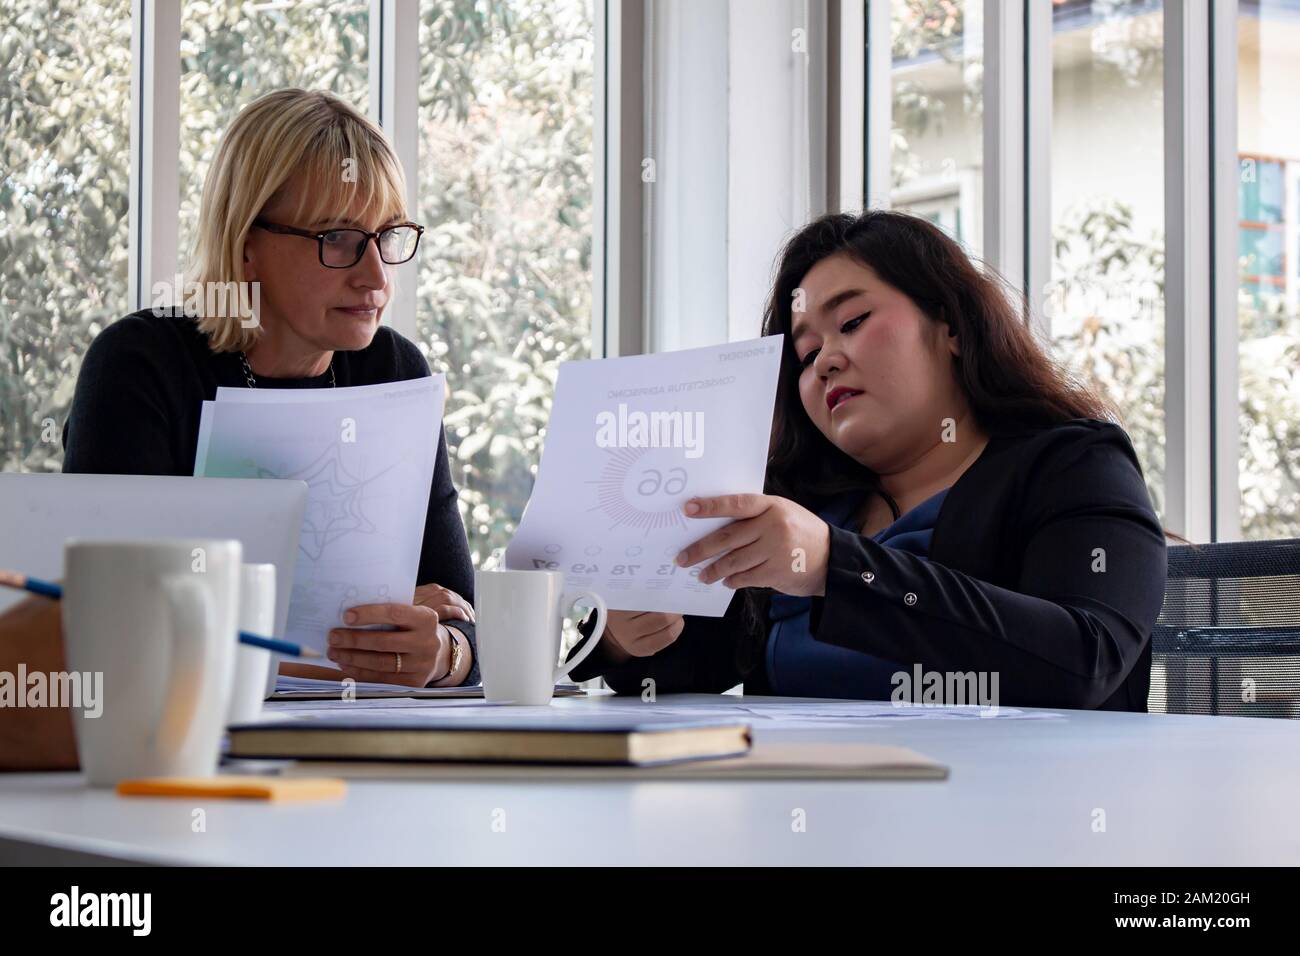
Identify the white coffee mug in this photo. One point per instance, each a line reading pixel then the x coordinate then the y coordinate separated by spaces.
pixel 519 618
pixel 157 620
pixel 256 616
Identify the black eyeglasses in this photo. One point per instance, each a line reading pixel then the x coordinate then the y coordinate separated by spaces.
pixel 343 248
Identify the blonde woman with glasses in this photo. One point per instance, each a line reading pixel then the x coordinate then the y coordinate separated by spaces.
pixel 306 199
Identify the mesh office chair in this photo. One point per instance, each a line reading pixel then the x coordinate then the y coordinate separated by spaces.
pixel 1228 637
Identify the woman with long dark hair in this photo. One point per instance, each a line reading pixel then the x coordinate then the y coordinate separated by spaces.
pixel 943 504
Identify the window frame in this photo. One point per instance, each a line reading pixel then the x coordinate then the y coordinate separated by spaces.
pixel 155 147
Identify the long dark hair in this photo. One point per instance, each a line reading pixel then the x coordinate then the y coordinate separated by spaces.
pixel 1008 378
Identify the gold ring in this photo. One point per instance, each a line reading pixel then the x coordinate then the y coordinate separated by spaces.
pixel 399 661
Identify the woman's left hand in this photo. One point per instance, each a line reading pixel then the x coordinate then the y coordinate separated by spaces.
pixel 417 653
pixel 774 543
pixel 445 601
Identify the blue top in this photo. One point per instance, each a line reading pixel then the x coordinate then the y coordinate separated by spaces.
pixel 797 665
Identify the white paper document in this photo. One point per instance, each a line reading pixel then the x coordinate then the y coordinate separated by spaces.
pixel 288 686
pixel 851 712
pixel 629 441
pixel 367 455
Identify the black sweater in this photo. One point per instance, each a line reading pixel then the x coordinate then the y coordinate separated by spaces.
pixel 1013 585
pixel 140 394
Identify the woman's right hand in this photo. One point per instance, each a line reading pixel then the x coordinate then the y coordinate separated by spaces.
pixel 640 633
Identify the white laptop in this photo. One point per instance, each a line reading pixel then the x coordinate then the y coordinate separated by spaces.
pixel 38 512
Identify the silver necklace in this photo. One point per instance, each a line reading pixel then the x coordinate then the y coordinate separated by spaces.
pixel 252 382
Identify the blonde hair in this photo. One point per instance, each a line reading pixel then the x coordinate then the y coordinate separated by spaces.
pixel 344 158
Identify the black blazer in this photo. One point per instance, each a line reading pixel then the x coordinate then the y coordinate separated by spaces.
pixel 1014 585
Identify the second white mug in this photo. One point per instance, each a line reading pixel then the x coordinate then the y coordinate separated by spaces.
pixel 257 616
pixel 520 615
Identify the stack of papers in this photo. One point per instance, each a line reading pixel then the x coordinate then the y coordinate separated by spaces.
pixel 367 455
pixel 310 688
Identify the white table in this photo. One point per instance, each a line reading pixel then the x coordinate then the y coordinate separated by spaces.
pixel 1175 790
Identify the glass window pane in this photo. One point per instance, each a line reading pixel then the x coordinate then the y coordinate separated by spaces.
pixel 64 174
pixel 233 51
pixel 1268 303
pixel 1261 189
pixel 938 106
pixel 1262 253
pixel 505 263
pixel 1105 297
